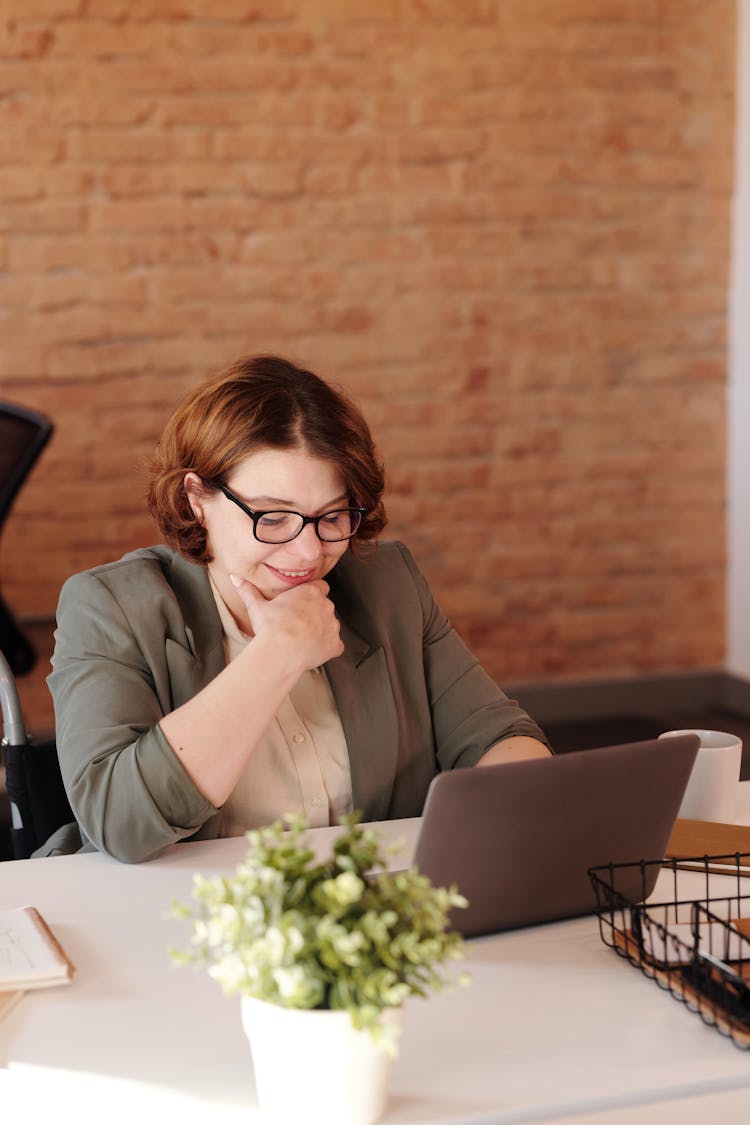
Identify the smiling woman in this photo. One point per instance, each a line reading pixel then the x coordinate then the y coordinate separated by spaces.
pixel 270 657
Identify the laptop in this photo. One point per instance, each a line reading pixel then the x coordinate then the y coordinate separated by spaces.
pixel 518 839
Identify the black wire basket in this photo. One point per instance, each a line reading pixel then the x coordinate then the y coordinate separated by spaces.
pixel 698 949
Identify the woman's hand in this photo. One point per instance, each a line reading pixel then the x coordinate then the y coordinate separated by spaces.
pixel 300 622
pixel 215 732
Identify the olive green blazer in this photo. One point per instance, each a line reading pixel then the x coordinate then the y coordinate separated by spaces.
pixel 137 638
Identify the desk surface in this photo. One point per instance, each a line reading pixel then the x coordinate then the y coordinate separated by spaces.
pixel 554 1024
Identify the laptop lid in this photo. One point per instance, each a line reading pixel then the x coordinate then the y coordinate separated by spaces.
pixel 518 839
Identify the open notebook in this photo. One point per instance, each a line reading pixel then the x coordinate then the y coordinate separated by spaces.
pixel 518 839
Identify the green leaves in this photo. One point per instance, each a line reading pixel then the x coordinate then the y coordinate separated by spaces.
pixel 342 934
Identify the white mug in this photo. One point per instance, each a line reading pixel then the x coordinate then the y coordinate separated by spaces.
pixel 711 792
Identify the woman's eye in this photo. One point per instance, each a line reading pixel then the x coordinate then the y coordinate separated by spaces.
pixel 275 519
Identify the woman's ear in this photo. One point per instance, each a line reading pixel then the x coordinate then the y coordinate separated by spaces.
pixel 193 486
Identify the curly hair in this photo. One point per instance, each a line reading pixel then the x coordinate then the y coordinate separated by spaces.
pixel 259 402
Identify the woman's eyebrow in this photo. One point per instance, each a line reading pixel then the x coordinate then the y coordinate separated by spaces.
pixel 271 501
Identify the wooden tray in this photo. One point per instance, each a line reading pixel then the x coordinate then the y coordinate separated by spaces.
pixel 708 1008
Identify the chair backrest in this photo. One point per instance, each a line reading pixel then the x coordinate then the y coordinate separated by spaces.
pixel 23 435
pixel 38 802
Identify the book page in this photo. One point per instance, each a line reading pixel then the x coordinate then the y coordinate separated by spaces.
pixel 30 956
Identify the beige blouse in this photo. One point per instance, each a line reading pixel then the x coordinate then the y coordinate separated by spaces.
pixel 301 765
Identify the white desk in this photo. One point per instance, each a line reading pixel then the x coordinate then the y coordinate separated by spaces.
pixel 554 1025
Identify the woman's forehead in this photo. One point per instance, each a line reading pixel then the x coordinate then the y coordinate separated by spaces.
pixel 289 475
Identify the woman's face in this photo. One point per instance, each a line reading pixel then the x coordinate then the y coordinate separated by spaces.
pixel 278 480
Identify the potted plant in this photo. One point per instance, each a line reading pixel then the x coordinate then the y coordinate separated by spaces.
pixel 322 954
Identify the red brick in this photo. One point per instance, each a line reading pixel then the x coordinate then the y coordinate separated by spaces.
pixel 19 184
pixel 210 109
pixel 143 143
pixel 43 217
pixel 50 9
pixel 47 147
pixel 79 109
pixel 248 37
pixel 96 38
pixel 26 42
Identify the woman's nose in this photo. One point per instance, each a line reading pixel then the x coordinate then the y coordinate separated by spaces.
pixel 307 545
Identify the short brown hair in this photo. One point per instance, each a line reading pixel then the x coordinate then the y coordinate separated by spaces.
pixel 259 402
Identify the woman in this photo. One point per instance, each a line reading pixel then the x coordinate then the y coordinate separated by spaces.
pixel 271 658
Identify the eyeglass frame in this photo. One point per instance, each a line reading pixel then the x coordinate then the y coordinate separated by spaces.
pixel 256 515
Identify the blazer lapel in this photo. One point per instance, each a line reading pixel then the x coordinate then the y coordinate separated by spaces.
pixel 362 689
pixel 203 632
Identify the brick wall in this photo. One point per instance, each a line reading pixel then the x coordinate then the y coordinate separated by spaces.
pixel 502 225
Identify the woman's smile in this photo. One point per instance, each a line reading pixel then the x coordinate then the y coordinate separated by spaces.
pixel 293 577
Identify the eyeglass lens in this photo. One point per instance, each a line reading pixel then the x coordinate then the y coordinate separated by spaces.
pixel 332 527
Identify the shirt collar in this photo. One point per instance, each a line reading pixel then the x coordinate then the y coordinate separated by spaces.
pixel 231 629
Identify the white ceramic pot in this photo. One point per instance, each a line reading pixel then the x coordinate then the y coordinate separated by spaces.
pixel 314 1067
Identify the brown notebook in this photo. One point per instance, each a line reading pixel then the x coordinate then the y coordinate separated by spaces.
pixel 709 838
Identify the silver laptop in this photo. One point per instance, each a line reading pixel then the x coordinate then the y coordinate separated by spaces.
pixel 518 839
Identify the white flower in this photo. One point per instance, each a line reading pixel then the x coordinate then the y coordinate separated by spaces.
pixel 290 981
pixel 298 987
pixel 223 925
pixel 348 888
pixel 253 915
pixel 347 945
pixel 229 972
pixel 271 948
pixel 295 941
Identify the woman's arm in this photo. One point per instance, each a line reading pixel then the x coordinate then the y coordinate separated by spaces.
pixel 514 749
pixel 215 733
pixel 473 720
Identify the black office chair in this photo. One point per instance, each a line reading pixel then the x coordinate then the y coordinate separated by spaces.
pixel 23 435
pixel 38 802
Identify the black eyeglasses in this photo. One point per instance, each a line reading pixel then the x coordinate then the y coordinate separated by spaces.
pixel 282 527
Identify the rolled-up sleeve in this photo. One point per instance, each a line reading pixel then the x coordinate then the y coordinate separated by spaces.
pixel 128 790
pixel 470 713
